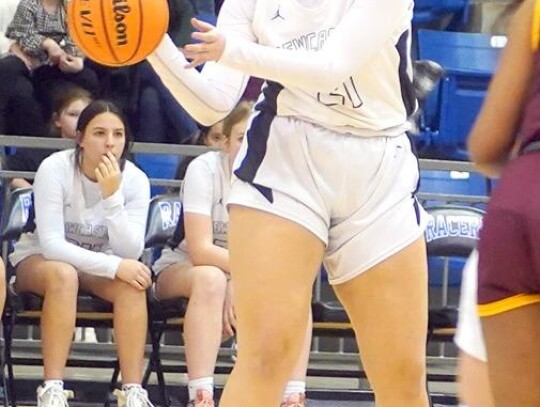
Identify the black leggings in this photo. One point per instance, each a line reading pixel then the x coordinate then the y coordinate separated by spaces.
pixel 20 111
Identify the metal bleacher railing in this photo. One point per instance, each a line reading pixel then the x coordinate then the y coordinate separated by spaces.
pixel 319 352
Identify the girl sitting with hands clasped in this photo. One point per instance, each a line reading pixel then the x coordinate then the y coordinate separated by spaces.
pixel 91 207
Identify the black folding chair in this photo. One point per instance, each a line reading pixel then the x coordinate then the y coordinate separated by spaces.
pixel 164 214
pixel 25 308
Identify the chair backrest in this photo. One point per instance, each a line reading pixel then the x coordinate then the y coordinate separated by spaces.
pixel 158 166
pixel 469 60
pixel 163 216
pixel 452 230
pixel 15 213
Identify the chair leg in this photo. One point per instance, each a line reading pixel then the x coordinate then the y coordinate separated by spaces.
pixel 113 383
pixel 4 381
pixel 8 340
pixel 155 364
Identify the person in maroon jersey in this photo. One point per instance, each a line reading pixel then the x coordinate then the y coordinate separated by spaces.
pixel 509 262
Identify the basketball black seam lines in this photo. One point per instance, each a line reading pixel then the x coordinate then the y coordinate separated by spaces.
pixel 75 26
pixel 111 48
pixel 139 39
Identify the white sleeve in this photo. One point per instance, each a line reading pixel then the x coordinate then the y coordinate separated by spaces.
pixel 211 94
pixel 49 194
pixel 126 214
pixel 198 188
pixel 363 31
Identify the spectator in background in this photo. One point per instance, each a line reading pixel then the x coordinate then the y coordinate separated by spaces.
pixel 63 123
pixel 16 100
pixel 43 57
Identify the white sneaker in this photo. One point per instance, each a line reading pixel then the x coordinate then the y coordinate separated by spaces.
pixel 133 397
pixel 53 396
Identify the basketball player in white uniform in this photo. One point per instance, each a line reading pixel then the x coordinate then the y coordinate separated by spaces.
pixel 326 173
pixel 90 207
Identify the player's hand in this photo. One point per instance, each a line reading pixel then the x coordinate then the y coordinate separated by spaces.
pixel 70 64
pixel 210 48
pixel 108 175
pixel 134 273
pixel 229 315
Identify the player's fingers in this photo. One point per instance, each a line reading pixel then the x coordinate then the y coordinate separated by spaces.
pixel 107 161
pixel 201 25
pixel 113 160
pixel 195 63
pixel 145 279
pixel 99 177
pixel 205 37
pixel 103 168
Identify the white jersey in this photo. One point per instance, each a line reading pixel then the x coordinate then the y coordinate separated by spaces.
pixel 76 226
pixel 342 64
pixel 205 191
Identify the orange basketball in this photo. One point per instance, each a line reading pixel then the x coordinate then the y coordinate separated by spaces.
pixel 117 32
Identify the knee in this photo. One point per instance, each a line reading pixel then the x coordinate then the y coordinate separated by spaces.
pixel 405 380
pixel 269 353
pixel 62 278
pixel 209 283
pixel 127 293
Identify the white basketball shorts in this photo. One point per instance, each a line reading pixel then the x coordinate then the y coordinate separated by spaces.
pixel 355 194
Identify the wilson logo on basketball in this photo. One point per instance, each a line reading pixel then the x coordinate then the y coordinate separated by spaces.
pixel 117 32
pixel 120 10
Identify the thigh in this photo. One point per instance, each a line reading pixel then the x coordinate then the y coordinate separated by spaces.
pixel 514 356
pixel 101 287
pixel 473 382
pixel 274 262
pixel 387 306
pixel 175 281
pixel 34 273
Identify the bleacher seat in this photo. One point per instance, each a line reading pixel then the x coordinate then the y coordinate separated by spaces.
pixel 430 12
pixel 158 166
pixel 469 60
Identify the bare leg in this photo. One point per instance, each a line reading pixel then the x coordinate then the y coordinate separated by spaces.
pixel 274 262
pixel 514 356
pixel 130 321
pixel 387 306
pixel 473 382
pixel 58 283
pixel 205 287
pixel 300 369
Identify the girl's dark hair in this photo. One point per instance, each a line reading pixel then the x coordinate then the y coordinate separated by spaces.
pixel 63 100
pixel 94 109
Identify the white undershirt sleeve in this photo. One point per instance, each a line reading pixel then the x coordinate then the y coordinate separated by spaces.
pixel 126 217
pixel 49 207
pixel 198 189
pixel 366 27
pixel 211 94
